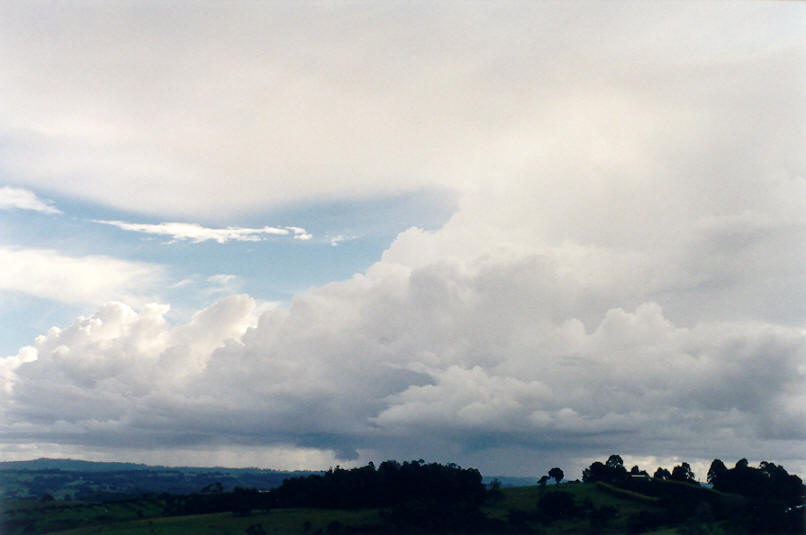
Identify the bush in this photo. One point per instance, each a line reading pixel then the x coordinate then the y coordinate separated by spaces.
pixel 557 504
pixel 643 521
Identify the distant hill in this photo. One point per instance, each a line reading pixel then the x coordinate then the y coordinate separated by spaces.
pixel 89 480
pixel 75 465
pixel 72 465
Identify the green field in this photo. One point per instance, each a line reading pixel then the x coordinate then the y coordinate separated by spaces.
pixel 34 516
pixel 122 519
pixel 145 516
pixel 596 494
pixel 279 521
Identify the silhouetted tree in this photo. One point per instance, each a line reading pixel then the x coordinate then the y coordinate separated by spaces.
pixel 543 480
pixel 662 474
pixel 768 482
pixel 390 484
pixel 556 474
pixel 612 471
pixel 682 472
pixel 717 469
pixel 595 472
pixel 635 471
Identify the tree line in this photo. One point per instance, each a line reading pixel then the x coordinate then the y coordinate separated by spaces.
pixel 771 498
pixel 415 496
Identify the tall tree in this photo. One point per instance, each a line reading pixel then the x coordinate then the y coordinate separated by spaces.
pixel 662 474
pixel 717 469
pixel 682 472
pixel 556 474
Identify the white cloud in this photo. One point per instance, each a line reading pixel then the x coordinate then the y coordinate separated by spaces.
pixel 340 238
pixel 197 233
pixel 286 104
pixel 89 279
pixel 300 233
pixel 23 199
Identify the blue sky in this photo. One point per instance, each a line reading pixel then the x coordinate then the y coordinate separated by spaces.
pixel 508 235
pixel 345 238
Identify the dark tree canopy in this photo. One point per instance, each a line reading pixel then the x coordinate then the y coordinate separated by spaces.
pixel 682 472
pixel 556 474
pixel 595 472
pixel 662 474
pixel 390 484
pixel 768 481
pixel 636 471
pixel 717 468
pixel 612 471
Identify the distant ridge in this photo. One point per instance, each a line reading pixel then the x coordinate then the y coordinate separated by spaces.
pixel 77 465
pixel 100 481
pixel 71 465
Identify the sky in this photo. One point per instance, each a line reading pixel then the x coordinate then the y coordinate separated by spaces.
pixel 510 235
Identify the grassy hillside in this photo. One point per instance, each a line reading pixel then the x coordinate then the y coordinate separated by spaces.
pixel 518 505
pixel 522 502
pixel 117 521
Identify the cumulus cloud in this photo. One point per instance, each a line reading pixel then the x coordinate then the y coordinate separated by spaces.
pixel 23 199
pixel 198 233
pixel 89 279
pixel 443 360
